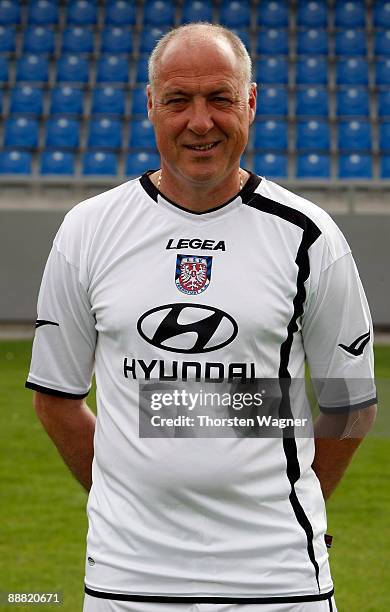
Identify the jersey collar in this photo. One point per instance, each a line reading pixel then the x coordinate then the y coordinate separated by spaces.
pixel 245 194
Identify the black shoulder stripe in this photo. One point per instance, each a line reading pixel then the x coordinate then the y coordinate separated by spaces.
pixel 311 231
pixel 289 442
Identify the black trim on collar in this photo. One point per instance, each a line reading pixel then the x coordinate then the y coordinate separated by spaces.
pixel 183 599
pixel 246 192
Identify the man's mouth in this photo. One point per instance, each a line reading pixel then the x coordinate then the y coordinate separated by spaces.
pixel 203 147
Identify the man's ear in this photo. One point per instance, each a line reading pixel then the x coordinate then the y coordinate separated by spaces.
pixel 149 102
pixel 252 102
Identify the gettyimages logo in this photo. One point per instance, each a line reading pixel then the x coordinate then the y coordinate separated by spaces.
pixel 183 328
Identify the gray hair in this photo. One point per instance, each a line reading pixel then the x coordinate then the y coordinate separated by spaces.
pixel 205 28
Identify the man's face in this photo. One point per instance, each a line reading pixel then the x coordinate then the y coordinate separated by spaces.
pixel 201 110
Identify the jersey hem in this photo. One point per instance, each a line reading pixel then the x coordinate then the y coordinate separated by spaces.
pixel 208 599
pixel 48 391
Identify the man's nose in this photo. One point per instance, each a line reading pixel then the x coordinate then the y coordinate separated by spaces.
pixel 200 121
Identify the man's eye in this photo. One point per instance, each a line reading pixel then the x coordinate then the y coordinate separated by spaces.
pixel 177 101
pixel 221 100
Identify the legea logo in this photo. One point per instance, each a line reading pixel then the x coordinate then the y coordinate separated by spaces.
pixel 181 328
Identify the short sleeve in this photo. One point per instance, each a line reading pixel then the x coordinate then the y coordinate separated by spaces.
pixel 338 339
pixel 65 338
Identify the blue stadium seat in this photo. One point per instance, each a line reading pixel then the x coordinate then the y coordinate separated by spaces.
pixel 382 72
pixel 112 69
pixel 39 39
pixel 313 165
pixel 62 132
pixel 82 12
pixel 72 69
pixel 243 34
pixel 26 99
pixel 312 42
pixel 116 40
pixel 108 100
pixel 197 10
pixel 271 134
pixel 15 162
pixel 43 12
pixel 354 135
pixel 149 38
pixel 353 101
pixel 120 13
pixel 21 132
pixel 312 14
pixel 384 166
pixel 138 163
pixel 139 101
pixel 32 67
pixel 312 101
pixel 312 70
pixel 141 70
pixel 273 13
pixel 7 39
pixel 9 12
pixel 382 14
pixel 382 42
pixel 159 13
pixel 142 134
pixel 57 162
pixel 235 14
pixel 272 101
pixel 352 71
pixel 350 14
pixel 272 42
pixel 3 69
pixel 312 134
pixel 355 166
pixel 104 133
pixel 100 163
pixel 76 39
pixel 272 165
pixel 383 98
pixel 384 136
pixel 67 100
pixel 351 42
pixel 272 70
pixel 1 101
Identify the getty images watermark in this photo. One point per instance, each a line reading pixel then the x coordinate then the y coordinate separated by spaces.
pixel 263 408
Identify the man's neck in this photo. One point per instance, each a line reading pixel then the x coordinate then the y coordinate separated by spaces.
pixel 199 198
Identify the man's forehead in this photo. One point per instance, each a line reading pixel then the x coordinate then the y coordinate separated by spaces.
pixel 206 84
pixel 198 57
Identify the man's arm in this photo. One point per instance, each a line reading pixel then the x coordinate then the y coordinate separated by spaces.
pixel 71 426
pixel 337 437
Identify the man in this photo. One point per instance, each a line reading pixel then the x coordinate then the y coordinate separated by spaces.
pixel 201 271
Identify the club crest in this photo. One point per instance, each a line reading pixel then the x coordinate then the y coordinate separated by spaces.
pixel 193 273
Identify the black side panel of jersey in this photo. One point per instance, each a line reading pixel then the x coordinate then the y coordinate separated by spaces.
pixel 309 236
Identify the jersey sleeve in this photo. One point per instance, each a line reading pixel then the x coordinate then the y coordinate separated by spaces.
pixel 338 339
pixel 65 338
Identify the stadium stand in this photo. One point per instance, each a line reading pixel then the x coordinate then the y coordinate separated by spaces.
pixel 73 75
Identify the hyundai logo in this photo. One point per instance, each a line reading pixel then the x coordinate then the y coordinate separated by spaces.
pixel 183 328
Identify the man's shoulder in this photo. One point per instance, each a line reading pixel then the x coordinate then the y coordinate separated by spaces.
pixel 286 198
pixel 328 230
pixel 104 203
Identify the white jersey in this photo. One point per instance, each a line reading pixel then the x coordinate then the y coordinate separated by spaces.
pixel 138 288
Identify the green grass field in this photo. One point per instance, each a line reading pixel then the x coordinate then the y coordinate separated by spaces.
pixel 43 523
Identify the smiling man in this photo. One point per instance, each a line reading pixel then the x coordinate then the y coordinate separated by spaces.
pixel 201 102
pixel 203 271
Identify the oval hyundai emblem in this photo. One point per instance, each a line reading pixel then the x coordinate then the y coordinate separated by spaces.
pixel 184 328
